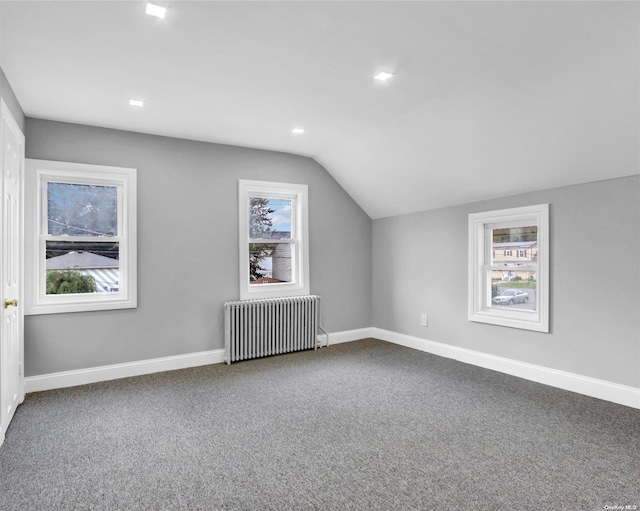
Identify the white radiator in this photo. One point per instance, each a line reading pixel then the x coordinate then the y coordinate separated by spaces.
pixel 259 328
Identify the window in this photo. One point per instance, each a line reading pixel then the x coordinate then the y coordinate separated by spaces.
pixel 80 237
pixel 274 253
pixel 503 290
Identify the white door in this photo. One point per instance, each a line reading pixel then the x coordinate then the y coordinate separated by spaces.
pixel 11 332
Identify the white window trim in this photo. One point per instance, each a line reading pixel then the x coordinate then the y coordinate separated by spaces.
pixel 38 172
pixel 300 224
pixel 479 252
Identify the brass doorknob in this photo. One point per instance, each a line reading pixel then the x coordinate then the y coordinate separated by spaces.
pixel 13 302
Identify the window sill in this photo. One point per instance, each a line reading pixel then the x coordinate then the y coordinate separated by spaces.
pixel 62 308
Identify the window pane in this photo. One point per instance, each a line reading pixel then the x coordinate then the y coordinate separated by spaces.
pixel 82 210
pixel 514 289
pixel 269 218
pixel 76 267
pixel 269 263
pixel 514 245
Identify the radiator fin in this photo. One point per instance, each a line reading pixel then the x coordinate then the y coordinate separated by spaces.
pixel 260 328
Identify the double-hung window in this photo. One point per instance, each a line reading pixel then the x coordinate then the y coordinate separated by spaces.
pixel 505 290
pixel 80 237
pixel 274 254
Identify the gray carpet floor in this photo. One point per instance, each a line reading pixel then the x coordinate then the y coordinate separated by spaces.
pixel 357 426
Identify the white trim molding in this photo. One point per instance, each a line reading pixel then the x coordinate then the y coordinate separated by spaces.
pixel 593 387
pixel 76 377
pixel 113 372
pixel 344 336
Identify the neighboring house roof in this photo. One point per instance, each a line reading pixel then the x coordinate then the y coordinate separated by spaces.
pixel 107 279
pixel 516 244
pixel 104 270
pixel 81 260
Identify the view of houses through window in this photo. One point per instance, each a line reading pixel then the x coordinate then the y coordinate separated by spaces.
pixel 515 249
pixel 273 226
pixel 270 246
pixel 509 267
pixel 81 247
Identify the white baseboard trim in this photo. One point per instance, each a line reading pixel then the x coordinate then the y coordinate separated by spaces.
pixel 113 372
pixel 601 389
pixel 345 336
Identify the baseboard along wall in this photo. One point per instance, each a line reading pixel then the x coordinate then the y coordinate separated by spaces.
pixel 601 389
pixel 593 387
pixel 113 372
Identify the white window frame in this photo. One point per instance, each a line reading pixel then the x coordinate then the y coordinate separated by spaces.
pixel 299 240
pixel 521 252
pixel 38 174
pixel 480 226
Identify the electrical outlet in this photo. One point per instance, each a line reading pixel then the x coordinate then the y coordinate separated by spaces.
pixel 424 319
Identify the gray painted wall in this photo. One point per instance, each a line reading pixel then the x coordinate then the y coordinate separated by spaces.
pixel 188 246
pixel 6 93
pixel 188 253
pixel 420 265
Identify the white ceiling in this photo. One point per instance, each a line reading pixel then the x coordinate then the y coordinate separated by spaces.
pixel 489 98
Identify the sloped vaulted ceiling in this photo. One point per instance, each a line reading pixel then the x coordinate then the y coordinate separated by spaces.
pixel 488 98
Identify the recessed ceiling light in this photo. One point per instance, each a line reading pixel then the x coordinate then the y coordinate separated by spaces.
pixel 383 76
pixel 156 10
pixel 297 131
pixel 136 102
